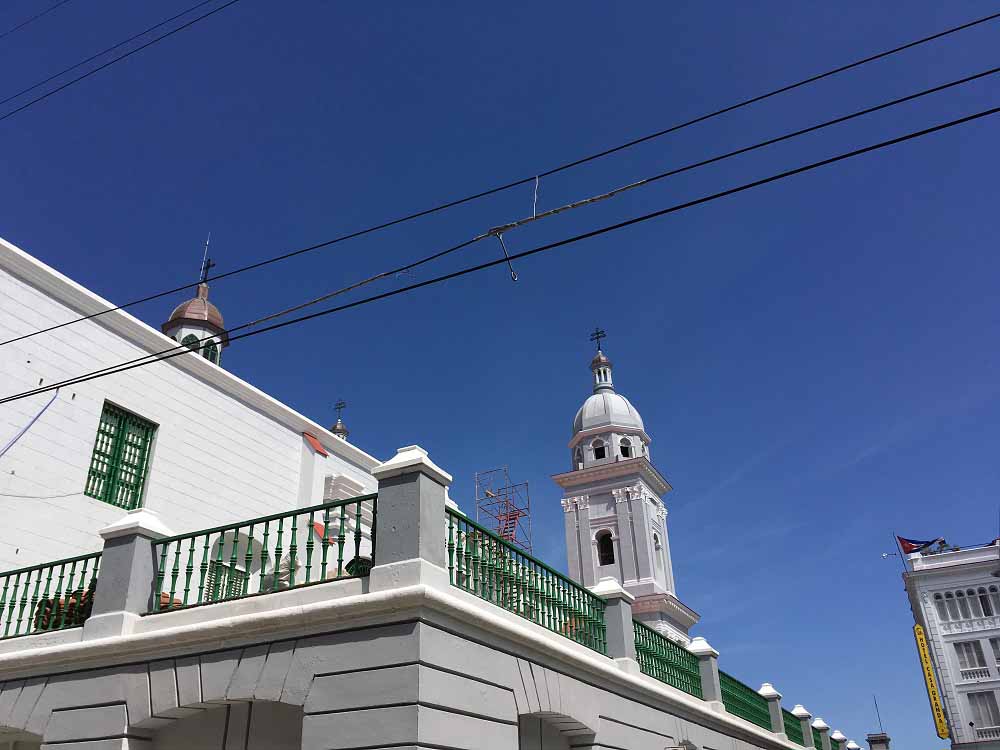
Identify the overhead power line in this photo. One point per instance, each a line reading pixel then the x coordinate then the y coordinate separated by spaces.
pixel 180 350
pixel 525 180
pixel 35 17
pixel 103 52
pixel 118 59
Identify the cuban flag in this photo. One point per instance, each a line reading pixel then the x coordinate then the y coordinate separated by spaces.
pixel 909 546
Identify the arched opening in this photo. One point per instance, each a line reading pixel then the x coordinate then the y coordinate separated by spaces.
pixel 605 548
pixel 963 605
pixel 211 352
pixel 952 607
pixel 578 458
pixel 626 447
pixel 658 552
pixel 13 739
pixel 600 451
pixel 191 341
pixel 984 602
pixel 941 611
pixel 261 725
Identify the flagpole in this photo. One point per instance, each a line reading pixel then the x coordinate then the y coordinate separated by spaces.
pixel 902 560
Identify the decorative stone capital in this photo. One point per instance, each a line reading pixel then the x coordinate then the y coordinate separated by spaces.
pixel 819 725
pixel 767 691
pixel 852 745
pixel 799 712
pixel 408 460
pixel 620 494
pixel 609 588
pixel 700 647
pixel 139 522
pixel 837 735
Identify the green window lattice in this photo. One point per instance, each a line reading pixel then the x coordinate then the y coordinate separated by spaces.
pixel 190 341
pixel 121 457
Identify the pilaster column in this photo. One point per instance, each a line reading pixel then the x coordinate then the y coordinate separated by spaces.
pixel 774 708
pixel 618 621
pixel 127 576
pixel 800 713
pixel 708 667
pixel 824 733
pixel 410 522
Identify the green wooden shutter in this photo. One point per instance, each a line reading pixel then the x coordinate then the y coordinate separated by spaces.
pixel 121 455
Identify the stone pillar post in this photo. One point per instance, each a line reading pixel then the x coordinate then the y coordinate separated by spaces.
pixel 127 576
pixel 618 620
pixel 824 733
pixel 878 741
pixel 774 708
pixel 805 718
pixel 852 745
pixel 708 666
pixel 837 739
pixel 410 523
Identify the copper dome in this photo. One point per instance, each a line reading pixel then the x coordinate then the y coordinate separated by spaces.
pixel 197 310
pixel 599 360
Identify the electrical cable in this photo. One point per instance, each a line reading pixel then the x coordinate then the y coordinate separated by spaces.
pixel 103 52
pixel 111 62
pixel 516 183
pixel 498 231
pixel 35 17
pixel 169 353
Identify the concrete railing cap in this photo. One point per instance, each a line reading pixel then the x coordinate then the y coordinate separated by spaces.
pixel 837 735
pixel 410 459
pixel 609 588
pixel 820 724
pixel 801 712
pixel 700 647
pixel 138 522
pixel 767 691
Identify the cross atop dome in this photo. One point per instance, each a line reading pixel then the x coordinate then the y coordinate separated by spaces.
pixel 597 335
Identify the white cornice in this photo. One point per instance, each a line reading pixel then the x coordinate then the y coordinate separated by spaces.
pixel 84 302
pixel 584 434
pixel 613 469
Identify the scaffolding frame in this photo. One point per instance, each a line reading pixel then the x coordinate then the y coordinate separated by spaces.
pixel 504 507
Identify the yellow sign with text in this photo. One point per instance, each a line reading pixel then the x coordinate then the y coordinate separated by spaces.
pixel 932 689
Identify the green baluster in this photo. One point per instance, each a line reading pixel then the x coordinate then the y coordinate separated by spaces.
pixel 68 594
pixel 57 599
pixel 292 549
pixel 12 606
pixel 45 598
pixel 357 530
pixel 277 551
pixel 248 561
pixel 310 532
pixel 206 555
pixel 81 588
pixel 264 553
pixel 161 571
pixel 340 541
pixel 24 602
pixel 459 552
pixel 451 548
pixel 175 571
pixel 3 596
pixel 325 541
pixel 233 557
pixel 188 572
pixel 374 525
pixel 217 578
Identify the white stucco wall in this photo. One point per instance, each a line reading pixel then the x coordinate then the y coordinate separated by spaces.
pixel 223 451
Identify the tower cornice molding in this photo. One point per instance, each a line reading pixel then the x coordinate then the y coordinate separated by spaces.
pixel 594 431
pixel 614 469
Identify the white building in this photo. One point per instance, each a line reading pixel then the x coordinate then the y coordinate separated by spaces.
pixel 188 564
pixel 182 437
pixel 955 596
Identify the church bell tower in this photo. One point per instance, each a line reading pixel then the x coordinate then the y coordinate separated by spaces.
pixel 615 518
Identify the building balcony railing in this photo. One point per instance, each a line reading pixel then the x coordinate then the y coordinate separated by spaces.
pixel 975 673
pixel 991 622
pixel 50 596
pixel 668 662
pixel 263 555
pixel 988 733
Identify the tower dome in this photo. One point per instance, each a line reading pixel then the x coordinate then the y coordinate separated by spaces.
pixel 605 408
pixel 197 323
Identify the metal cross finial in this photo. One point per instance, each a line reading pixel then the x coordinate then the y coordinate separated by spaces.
pixel 339 406
pixel 597 335
pixel 207 264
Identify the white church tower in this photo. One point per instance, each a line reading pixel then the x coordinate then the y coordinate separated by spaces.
pixel 197 323
pixel 616 522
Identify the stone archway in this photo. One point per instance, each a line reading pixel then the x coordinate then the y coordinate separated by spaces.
pixel 252 725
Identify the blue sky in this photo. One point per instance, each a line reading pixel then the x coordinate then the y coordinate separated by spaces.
pixel 814 360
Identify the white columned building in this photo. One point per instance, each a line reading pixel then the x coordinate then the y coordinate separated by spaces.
pixel 616 522
pixel 955 597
